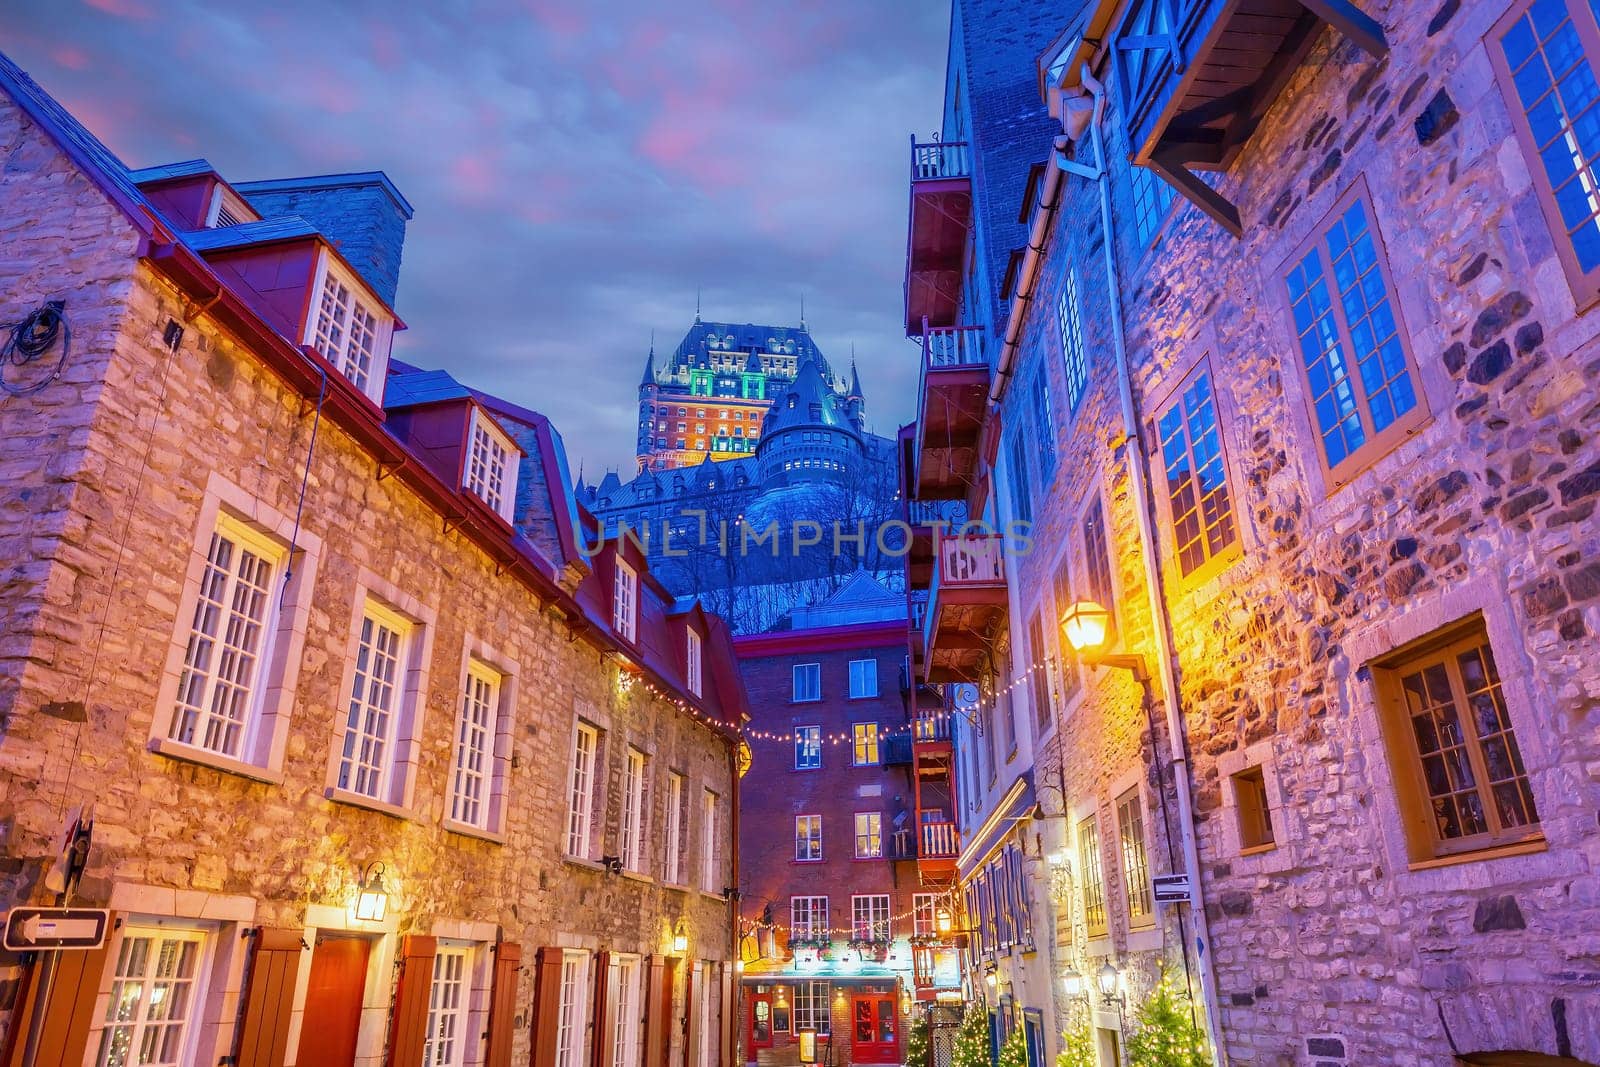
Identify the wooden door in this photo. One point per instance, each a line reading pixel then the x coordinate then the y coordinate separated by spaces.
pixel 874 1028
pixel 334 990
pixel 760 1023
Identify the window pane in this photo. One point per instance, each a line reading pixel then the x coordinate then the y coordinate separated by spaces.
pixel 1197 485
pixel 474 747
pixel 368 740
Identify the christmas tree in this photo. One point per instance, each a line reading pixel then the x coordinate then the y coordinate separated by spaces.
pixel 1077 1045
pixel 1014 1053
pixel 917 1042
pixel 1165 1034
pixel 972 1040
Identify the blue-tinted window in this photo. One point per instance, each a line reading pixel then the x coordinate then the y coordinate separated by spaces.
pixel 1196 478
pixel 807 748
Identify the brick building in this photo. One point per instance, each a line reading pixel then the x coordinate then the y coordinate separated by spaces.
pixel 382 764
pixel 846 834
pixel 1294 382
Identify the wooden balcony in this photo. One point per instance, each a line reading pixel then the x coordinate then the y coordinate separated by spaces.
pixel 928 519
pixel 966 605
pixel 936 237
pixel 1198 77
pixel 936 853
pixel 952 400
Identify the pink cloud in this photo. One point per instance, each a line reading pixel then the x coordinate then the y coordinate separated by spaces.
pixel 70 56
pixel 122 9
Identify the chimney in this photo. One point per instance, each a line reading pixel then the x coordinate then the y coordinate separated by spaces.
pixel 362 215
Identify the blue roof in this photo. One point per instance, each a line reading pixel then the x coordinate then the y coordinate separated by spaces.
pixel 422 387
pixel 744 338
pixel 284 228
pixel 167 171
pixel 328 181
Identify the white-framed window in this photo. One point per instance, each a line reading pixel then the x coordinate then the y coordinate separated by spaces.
pixel 632 835
pixel 156 992
pixel 625 995
pixel 625 600
pixel 218 707
pixel 708 840
pixel 808 917
pixel 371 743
pixel 572 1009
pixel 672 870
pixel 863 678
pixel 924 914
pixel 812 1008
pixel 472 778
pixel 694 663
pixel 807 682
pixel 807 747
pixel 864 744
pixel 807 838
pixel 348 329
pixel 449 1004
pixel 870 917
pixel 1073 354
pixel 490 471
pixel 869 835
pixel 580 805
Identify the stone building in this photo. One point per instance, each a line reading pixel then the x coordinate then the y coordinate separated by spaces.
pixel 847 847
pixel 1294 378
pixel 383 765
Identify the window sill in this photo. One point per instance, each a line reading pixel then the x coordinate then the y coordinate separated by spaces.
pixel 807 863
pixel 468 830
pixel 586 864
pixel 1519 848
pixel 177 750
pixel 713 895
pixel 1257 850
pixel 676 887
pixel 360 800
pixel 638 876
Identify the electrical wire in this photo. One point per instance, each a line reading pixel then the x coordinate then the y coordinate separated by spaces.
pixel 29 338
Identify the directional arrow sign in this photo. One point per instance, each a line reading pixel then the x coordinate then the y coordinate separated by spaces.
pixel 1171 888
pixel 28 929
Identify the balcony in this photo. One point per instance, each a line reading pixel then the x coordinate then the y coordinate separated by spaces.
pixel 936 238
pixel 937 851
pixel 927 519
pixel 897 750
pixel 952 400
pixel 1199 76
pixel 966 604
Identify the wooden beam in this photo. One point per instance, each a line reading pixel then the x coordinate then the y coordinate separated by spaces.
pixel 1198 192
pixel 1354 23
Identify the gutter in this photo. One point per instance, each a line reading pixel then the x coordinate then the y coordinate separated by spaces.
pixel 1155 588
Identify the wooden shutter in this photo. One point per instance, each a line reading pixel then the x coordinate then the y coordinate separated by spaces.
pixel 64 1038
pixel 726 1042
pixel 503 1003
pixel 691 1024
pixel 408 1023
pixel 657 1010
pixel 263 1038
pixel 603 1013
pixel 546 1006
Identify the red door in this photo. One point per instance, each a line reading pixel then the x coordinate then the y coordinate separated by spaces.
pixel 760 1023
pixel 333 1002
pixel 874 1028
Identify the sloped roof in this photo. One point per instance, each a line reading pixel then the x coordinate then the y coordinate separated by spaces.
pixel 861 599
pixel 808 401
pixel 165 172
pixel 283 228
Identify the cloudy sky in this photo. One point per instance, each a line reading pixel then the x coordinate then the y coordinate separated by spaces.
pixel 578 167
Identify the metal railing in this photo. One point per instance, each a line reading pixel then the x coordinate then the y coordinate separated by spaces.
pixel 919 608
pixel 952 346
pixel 939 840
pixel 931 160
pixel 952 513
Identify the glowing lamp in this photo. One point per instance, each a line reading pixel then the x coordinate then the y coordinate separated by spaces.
pixel 372 899
pixel 991 979
pixel 1108 980
pixel 1072 983
pixel 1086 625
pixel 680 938
pixel 942 920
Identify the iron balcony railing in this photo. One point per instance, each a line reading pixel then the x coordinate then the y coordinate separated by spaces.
pixel 939 840
pixel 950 514
pixel 933 160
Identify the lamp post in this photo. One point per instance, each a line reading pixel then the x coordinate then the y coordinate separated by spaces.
pixel 1087 627
pixel 372 898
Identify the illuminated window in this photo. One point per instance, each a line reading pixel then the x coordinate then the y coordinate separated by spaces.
pixel 474 800
pixel 869 835
pixel 1070 322
pixel 807 748
pixel 807 838
pixel 369 761
pixel 1200 506
pixel 1135 863
pixel 449 1001
pixel 1094 888
pixel 865 747
pixel 808 917
pixel 1253 812
pixel 870 917
pixel 155 995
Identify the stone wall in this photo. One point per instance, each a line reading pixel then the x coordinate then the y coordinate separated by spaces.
pixel 110 473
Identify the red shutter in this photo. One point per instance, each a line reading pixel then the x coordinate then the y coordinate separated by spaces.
pixel 604 1010
pixel 727 1014
pixel 408 1024
pixel 656 1013
pixel 64 1038
pixel 546 1006
pixel 503 1003
pixel 690 1021
pixel 263 1038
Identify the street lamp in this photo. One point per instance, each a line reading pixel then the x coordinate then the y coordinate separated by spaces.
pixel 680 938
pixel 1110 980
pixel 1072 983
pixel 372 899
pixel 942 921
pixel 1086 626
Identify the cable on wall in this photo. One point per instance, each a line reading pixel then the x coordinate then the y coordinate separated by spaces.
pixel 28 340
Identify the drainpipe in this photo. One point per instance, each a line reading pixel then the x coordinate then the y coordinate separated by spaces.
pixel 1176 731
pixel 1044 217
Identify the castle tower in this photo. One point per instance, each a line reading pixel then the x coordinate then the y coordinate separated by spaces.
pixel 648 392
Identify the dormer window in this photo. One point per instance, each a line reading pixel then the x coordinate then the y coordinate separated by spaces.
pixel 227 209
pixel 490 470
pixel 625 600
pixel 348 329
pixel 695 672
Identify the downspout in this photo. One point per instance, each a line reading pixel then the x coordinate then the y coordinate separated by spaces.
pixel 1176 731
pixel 1044 217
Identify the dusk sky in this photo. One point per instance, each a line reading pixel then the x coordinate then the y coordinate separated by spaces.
pixel 578 170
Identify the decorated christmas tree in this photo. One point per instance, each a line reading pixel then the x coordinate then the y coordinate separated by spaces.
pixel 972 1040
pixel 917 1042
pixel 1077 1045
pixel 1164 1032
pixel 1014 1053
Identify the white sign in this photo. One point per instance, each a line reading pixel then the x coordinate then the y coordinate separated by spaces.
pixel 1171 888
pixel 56 928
